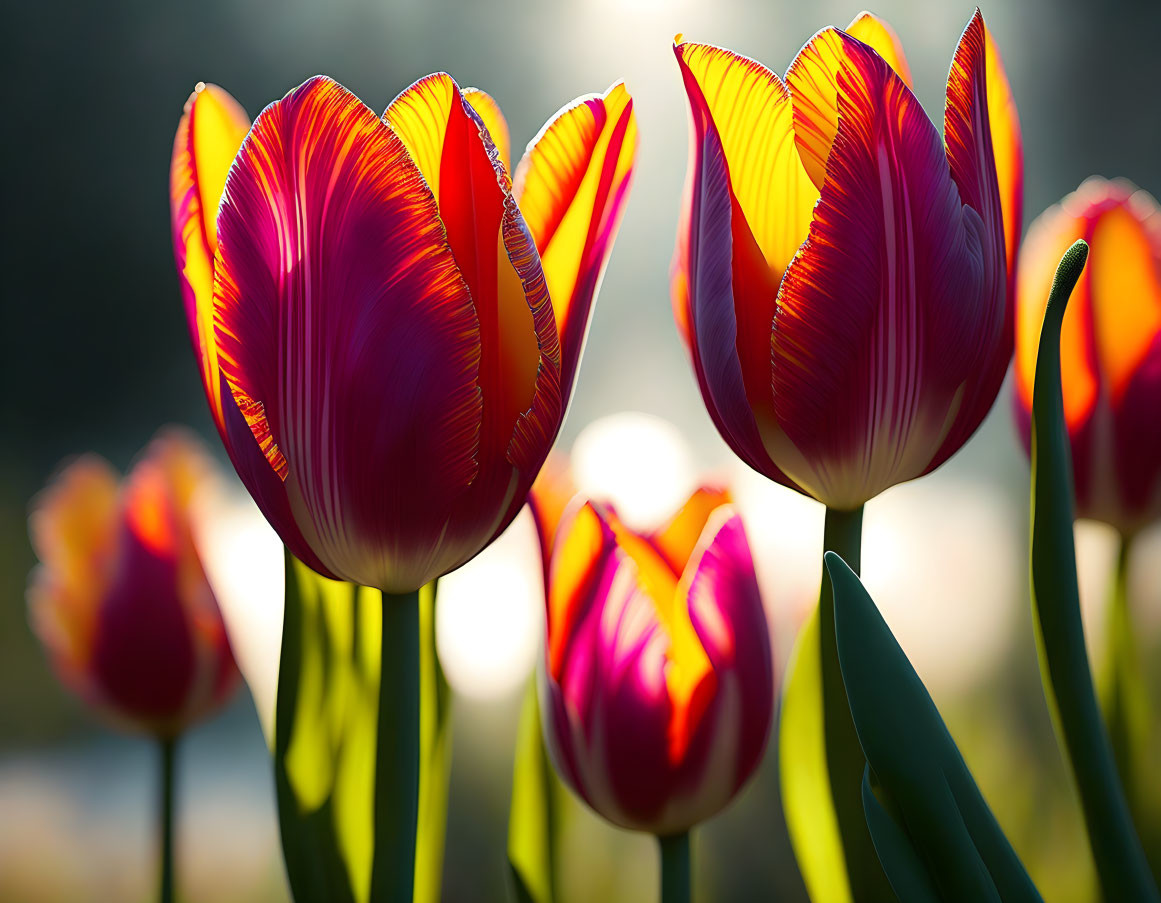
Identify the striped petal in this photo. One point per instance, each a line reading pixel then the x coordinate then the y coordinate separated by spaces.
pixel 348 337
pixel 881 37
pixel 967 133
pixel 648 719
pixel 725 609
pixel 881 318
pixel 208 137
pixel 812 79
pixel 520 351
pixel 572 185
pixel 724 287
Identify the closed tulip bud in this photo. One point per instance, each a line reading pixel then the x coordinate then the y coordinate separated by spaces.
pixel 1110 346
pixel 120 599
pixel 843 274
pixel 658 680
pixel 388 329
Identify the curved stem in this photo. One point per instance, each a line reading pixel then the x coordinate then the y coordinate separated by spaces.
pixel 396 794
pixel 168 747
pixel 675 868
pixel 1067 678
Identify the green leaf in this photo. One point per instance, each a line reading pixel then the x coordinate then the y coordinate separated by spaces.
pixel 327 721
pixel 1064 666
pixel 933 831
pixel 532 817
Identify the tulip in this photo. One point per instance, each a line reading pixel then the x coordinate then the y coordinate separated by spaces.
pixel 657 686
pixel 841 277
pixel 1110 380
pixel 388 331
pixel 843 281
pixel 121 602
pixel 1110 347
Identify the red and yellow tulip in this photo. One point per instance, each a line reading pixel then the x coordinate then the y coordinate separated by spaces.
pixel 1110 346
pixel 658 686
pixel 120 599
pixel 388 330
pixel 843 276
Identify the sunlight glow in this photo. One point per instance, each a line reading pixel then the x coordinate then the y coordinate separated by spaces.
pixel 490 614
pixel 639 462
pixel 243 559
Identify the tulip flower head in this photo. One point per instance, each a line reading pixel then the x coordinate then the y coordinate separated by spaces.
pixel 388 331
pixel 1110 346
pixel 120 599
pixel 658 685
pixel 843 276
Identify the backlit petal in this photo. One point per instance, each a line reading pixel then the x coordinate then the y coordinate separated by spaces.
pixel 752 113
pixel 724 292
pixel 348 337
pixel 881 37
pixel 967 134
pixel 520 352
pixel 1125 279
pixel 676 540
pixel 493 119
pixel 881 319
pixel 208 137
pixel 572 185
pixel 1049 236
pixel 812 79
pixel 1008 150
pixel 725 608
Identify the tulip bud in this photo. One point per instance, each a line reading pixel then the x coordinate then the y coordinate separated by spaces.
pixel 1110 346
pixel 658 685
pixel 120 599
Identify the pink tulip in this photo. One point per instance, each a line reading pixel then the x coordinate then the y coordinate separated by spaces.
pixel 658 679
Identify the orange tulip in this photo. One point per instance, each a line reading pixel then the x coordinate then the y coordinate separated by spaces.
pixel 389 328
pixel 1110 346
pixel 843 275
pixel 120 599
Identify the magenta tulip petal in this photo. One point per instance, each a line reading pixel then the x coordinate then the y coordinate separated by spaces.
pixel 723 271
pixel 882 321
pixel 971 157
pixel 342 324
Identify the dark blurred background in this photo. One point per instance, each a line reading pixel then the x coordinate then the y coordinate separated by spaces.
pixel 94 355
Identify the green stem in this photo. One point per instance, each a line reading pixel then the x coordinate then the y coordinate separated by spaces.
pixel 396 793
pixel 675 868
pixel 843 533
pixel 168 747
pixel 1067 677
pixel 1118 624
